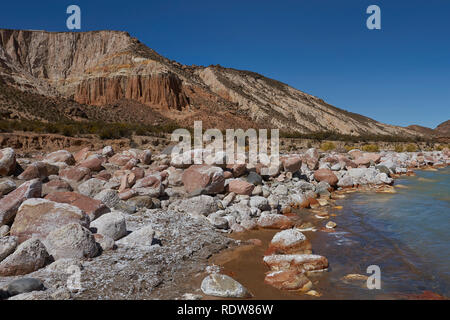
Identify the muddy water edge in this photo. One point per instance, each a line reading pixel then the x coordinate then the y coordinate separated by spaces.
pixel 350 248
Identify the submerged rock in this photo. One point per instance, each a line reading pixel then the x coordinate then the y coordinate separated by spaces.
pixel 289 241
pixel 288 280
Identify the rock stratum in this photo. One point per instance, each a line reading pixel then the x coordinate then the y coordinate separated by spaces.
pixel 111 76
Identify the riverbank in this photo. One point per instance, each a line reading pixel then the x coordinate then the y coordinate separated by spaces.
pixel 136 225
pixel 372 229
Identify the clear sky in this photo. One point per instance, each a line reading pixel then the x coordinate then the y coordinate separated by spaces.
pixel 398 75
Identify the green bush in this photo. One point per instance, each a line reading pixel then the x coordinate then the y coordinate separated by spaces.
pixel 398 148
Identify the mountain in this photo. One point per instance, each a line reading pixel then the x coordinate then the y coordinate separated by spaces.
pixel 112 76
pixel 441 131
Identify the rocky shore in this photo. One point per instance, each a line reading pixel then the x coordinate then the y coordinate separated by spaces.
pixel 100 224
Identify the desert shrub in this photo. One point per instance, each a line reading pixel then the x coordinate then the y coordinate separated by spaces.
pixel 327 146
pixel 348 148
pixel 398 148
pixel 411 147
pixel 370 148
pixel 438 147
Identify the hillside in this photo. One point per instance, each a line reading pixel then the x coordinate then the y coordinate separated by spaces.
pixel 111 76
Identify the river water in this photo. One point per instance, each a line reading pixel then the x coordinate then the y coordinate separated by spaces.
pixel 406 234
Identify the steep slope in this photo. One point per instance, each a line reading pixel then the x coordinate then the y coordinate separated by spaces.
pixel 423 130
pixel 110 68
pixel 443 129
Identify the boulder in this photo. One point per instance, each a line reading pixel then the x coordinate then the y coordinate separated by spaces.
pixel 237 169
pixel 175 177
pixel 274 221
pixel 108 151
pixel 91 207
pixel 326 175
pixel 60 156
pixel 292 163
pixel 149 185
pixel 289 241
pixel 109 197
pixel 29 256
pixel 71 241
pixel 299 262
pixel 24 285
pixel 311 158
pixel 203 177
pixel 37 170
pixel 260 203
pixel 93 163
pixel 111 224
pixel 345 181
pixel 241 187
pixel 11 202
pixel 141 202
pixel 7 162
pixel 91 187
pixel 355 153
pixel 6 186
pixel 7 246
pixel 56 185
pixel 288 280
pixel 141 238
pixel 75 174
pixel 106 243
pixel 202 205
pixel 120 159
pixel 220 285
pixel 254 178
pixel 38 217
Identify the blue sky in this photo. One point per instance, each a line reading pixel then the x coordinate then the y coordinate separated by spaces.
pixel 398 75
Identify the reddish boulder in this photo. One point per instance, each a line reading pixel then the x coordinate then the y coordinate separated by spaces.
pixel 237 169
pixel 288 280
pixel 82 154
pixel 292 163
pixel 10 203
pixel 75 174
pixel 56 185
pixel 36 218
pixel 120 159
pixel 203 177
pixel 93 208
pixel 37 170
pixel 298 262
pixel 60 156
pixel 326 175
pixel 311 158
pixel 355 153
pixel 93 163
pixel 241 187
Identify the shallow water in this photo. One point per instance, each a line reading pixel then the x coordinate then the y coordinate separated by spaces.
pixel 405 234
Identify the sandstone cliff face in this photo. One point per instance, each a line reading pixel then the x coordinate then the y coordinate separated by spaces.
pixel 164 90
pixel 107 67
